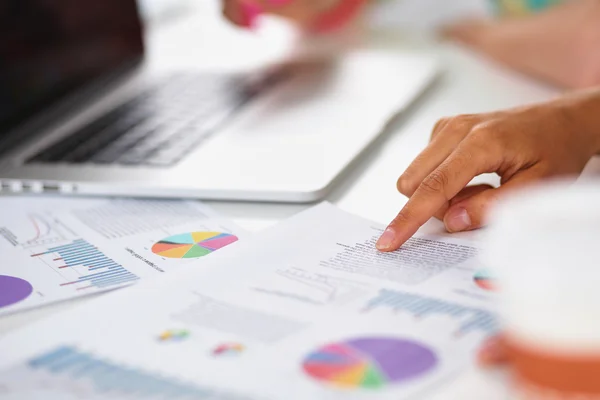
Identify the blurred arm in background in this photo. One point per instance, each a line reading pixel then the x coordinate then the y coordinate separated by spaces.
pixel 560 45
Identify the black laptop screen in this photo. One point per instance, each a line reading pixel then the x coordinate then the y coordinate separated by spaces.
pixel 50 48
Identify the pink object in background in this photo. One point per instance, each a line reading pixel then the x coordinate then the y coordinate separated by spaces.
pixel 251 12
pixel 339 16
pixel 331 20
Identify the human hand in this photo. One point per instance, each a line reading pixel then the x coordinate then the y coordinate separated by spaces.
pixel 319 15
pixel 521 145
pixel 559 45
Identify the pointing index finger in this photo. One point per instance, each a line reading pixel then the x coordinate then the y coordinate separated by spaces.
pixel 435 190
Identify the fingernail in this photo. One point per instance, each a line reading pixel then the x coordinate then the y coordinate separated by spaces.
pixel 251 13
pixel 386 240
pixel 457 220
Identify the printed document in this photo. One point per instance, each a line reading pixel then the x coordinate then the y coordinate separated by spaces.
pixel 305 310
pixel 56 248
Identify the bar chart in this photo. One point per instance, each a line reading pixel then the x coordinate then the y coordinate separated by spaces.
pixel 470 319
pixel 95 268
pixel 67 372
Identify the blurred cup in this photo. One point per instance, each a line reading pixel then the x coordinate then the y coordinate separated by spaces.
pixel 544 246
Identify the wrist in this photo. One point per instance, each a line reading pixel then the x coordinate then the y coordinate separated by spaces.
pixel 583 109
pixel 592 117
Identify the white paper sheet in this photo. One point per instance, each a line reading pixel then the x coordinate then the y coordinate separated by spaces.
pixel 306 310
pixel 55 248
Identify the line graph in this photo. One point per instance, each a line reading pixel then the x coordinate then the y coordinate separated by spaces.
pixel 39 224
pixel 46 231
pixel 36 230
pixel 311 287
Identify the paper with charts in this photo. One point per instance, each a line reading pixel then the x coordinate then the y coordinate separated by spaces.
pixel 306 310
pixel 56 248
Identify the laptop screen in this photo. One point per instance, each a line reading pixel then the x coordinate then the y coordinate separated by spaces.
pixel 50 48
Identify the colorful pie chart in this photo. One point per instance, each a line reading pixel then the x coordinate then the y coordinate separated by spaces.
pixel 193 244
pixel 485 280
pixel 229 349
pixel 174 335
pixel 370 362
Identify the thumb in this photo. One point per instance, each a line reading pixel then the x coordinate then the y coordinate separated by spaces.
pixel 471 212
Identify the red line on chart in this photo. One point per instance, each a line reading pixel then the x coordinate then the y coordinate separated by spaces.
pixel 64 266
pixel 85 287
pixel 37 228
pixel 38 231
pixel 57 259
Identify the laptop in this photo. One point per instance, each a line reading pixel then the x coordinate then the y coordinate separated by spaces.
pixel 81 114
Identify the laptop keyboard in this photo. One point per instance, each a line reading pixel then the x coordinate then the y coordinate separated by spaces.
pixel 160 125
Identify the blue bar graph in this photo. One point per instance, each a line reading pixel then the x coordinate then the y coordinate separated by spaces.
pixel 103 271
pixel 470 319
pixel 66 371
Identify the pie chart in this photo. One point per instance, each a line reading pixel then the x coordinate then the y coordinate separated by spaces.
pixel 485 280
pixel 369 362
pixel 229 349
pixel 13 290
pixel 193 244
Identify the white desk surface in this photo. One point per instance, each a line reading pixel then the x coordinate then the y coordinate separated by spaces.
pixel 468 84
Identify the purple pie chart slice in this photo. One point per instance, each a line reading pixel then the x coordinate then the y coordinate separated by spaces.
pixel 399 360
pixel 13 290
